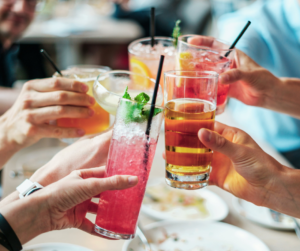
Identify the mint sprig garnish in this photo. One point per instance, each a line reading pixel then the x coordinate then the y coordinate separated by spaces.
pixel 136 112
pixel 176 32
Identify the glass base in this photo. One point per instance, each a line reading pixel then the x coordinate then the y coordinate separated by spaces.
pixel 113 235
pixel 187 182
pixel 220 109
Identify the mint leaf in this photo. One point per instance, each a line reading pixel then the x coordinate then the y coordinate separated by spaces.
pixel 126 94
pixel 146 113
pixel 176 32
pixel 135 111
pixel 142 98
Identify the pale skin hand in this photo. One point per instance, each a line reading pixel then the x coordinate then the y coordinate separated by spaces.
pixel 39 102
pixel 83 154
pixel 242 168
pixel 63 204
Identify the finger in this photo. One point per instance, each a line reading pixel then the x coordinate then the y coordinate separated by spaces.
pixel 218 143
pixel 89 227
pixel 61 98
pixel 50 131
pixel 95 186
pixel 97 172
pixel 92 207
pixel 56 84
pixel 41 115
pixel 164 155
pixel 201 41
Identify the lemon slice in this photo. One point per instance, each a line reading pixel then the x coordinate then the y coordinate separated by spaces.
pixel 183 60
pixel 141 68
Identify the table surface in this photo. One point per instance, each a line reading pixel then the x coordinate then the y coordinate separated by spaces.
pixel 274 239
pixel 103 30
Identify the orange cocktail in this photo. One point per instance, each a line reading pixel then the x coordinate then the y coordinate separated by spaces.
pixel 144 59
pixel 188 161
pixel 100 120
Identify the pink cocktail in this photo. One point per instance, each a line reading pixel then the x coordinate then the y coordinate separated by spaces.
pixel 199 53
pixel 131 152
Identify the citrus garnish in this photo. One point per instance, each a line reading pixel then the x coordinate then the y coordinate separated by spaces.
pixel 184 60
pixel 141 68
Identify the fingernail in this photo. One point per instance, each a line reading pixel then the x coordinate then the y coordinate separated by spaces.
pixel 132 180
pixel 84 88
pixel 91 112
pixel 80 132
pixel 207 135
pixel 92 100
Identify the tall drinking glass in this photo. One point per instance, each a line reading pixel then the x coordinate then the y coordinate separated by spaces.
pixel 188 161
pixel 144 59
pixel 131 152
pixel 100 120
pixel 200 53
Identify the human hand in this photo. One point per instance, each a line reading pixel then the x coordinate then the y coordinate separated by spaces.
pixel 41 101
pixel 249 82
pixel 240 166
pixel 63 204
pixel 83 154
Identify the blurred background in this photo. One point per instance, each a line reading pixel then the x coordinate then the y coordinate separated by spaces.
pixel 97 32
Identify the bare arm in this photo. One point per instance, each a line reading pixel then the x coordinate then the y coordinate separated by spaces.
pixel 7 98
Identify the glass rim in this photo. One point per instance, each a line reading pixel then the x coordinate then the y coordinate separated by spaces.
pixel 209 74
pixel 156 38
pixel 147 104
pixel 122 72
pixel 89 66
pixel 205 47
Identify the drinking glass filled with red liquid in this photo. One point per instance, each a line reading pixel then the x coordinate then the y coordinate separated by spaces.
pixel 188 161
pixel 201 53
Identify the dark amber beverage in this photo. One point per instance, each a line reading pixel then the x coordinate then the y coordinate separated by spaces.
pixel 188 161
pixel 185 154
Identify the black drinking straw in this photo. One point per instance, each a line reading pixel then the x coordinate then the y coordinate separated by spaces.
pixel 45 54
pixel 152 26
pixel 161 62
pixel 238 38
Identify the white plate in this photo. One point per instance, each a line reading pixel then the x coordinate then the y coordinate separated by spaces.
pixel 192 236
pixel 55 247
pixel 216 207
pixel 260 215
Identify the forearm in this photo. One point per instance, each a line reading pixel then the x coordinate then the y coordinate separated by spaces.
pixel 284 196
pixel 27 217
pixel 284 97
pixel 7 98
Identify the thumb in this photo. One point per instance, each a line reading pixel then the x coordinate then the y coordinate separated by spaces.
pixel 218 143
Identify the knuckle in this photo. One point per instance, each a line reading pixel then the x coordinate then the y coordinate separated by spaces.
pixel 220 141
pixel 61 110
pixel 57 132
pixel 28 117
pixel 31 130
pixel 62 97
pixel 54 84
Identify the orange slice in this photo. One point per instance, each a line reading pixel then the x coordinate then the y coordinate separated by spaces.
pixel 141 68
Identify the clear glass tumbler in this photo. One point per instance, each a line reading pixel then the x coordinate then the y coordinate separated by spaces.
pixel 200 53
pixel 188 161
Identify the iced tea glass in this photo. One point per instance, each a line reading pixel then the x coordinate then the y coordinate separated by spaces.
pixel 100 120
pixel 201 53
pixel 144 59
pixel 188 161
pixel 131 152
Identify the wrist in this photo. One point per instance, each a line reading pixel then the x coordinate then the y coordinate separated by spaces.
pixel 28 217
pixel 43 176
pixel 284 195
